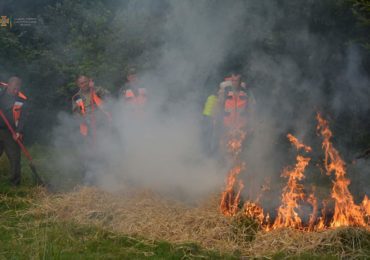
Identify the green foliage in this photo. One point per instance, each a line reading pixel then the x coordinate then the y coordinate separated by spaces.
pixel 361 12
pixel 361 9
pixel 70 38
pixel 101 38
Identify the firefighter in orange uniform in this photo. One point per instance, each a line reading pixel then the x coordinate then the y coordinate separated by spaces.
pixel 88 102
pixel 133 95
pixel 235 101
pixel 13 104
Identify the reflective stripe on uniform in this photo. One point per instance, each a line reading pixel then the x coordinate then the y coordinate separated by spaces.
pixel 140 99
pixel 17 107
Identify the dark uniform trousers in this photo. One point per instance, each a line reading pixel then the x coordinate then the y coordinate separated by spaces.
pixel 12 150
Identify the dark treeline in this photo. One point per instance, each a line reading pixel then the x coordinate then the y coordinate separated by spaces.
pixel 102 38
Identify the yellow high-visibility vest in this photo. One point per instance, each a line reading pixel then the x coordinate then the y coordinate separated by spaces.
pixel 210 105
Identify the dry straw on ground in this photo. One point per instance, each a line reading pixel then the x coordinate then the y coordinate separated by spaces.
pixel 152 216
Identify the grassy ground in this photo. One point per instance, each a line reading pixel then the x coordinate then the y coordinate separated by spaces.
pixel 23 236
pixel 26 236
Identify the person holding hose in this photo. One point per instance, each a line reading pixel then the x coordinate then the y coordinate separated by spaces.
pixel 13 105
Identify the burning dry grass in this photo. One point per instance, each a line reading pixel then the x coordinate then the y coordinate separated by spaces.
pixel 149 215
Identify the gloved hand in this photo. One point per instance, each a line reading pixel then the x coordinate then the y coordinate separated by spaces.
pixel 18 136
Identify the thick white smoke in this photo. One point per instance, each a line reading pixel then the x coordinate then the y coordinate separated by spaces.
pixel 162 149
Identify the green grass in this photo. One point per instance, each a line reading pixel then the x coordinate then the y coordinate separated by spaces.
pixel 25 237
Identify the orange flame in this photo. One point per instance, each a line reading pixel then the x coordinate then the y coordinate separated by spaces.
pixel 321 224
pixel 346 212
pixel 298 144
pixel 366 205
pixel 229 200
pixel 235 142
pixel 366 208
pixel 313 201
pixel 255 211
pixel 292 193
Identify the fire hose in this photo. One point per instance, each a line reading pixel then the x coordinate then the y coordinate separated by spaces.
pixel 36 176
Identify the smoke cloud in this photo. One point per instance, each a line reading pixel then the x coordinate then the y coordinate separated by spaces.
pixel 163 149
